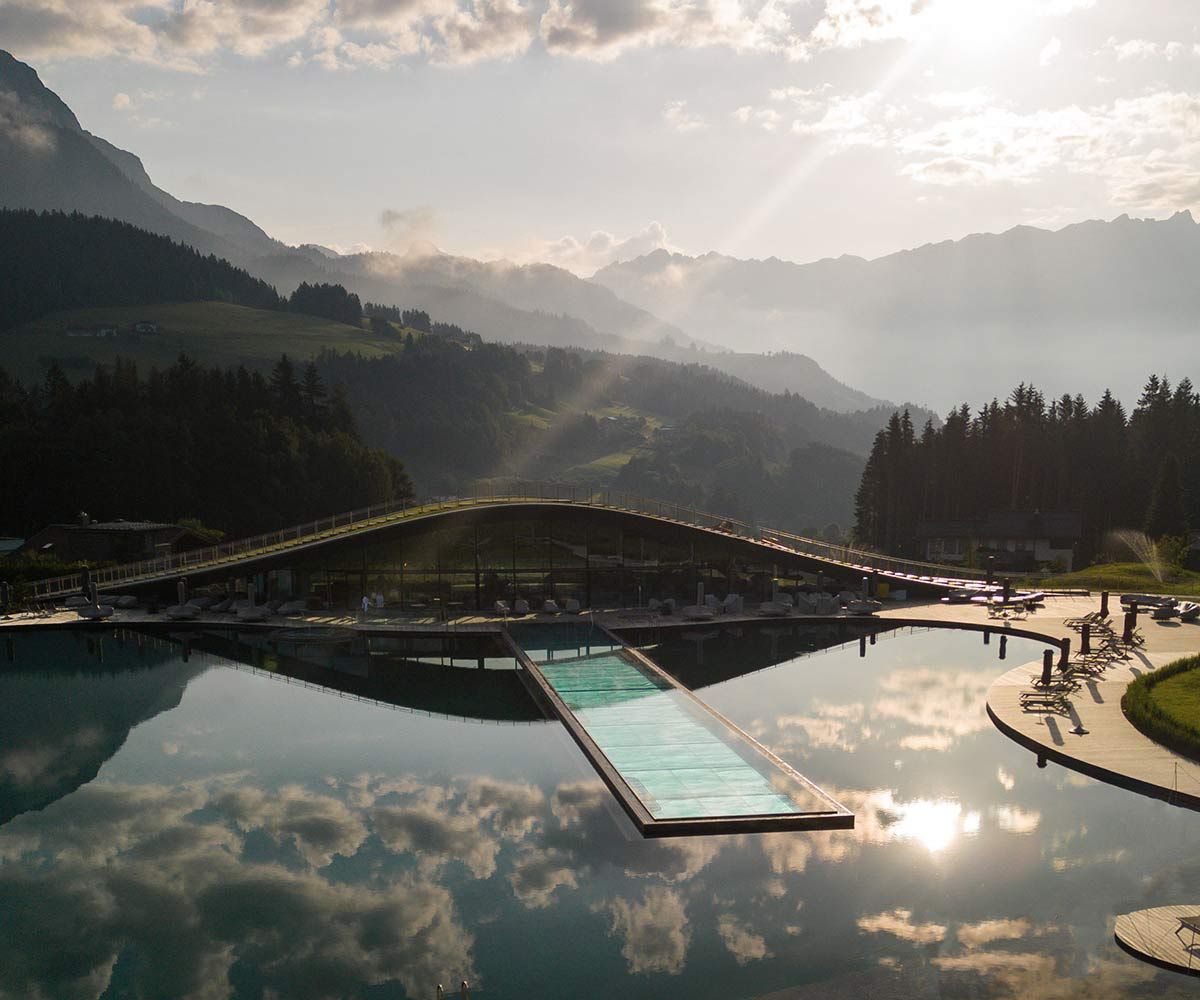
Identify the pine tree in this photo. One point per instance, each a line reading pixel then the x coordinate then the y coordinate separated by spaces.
pixel 1166 516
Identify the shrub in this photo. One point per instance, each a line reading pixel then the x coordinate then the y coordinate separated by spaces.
pixel 1148 715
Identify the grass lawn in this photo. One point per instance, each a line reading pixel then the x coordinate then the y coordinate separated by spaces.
pixel 1165 705
pixel 214 333
pixel 601 469
pixel 1124 578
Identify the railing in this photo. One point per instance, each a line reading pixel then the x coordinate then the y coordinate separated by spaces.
pixel 379 515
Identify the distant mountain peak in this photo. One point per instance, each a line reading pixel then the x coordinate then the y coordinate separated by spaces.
pixel 28 96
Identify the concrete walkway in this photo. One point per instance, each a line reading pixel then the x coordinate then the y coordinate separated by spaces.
pixel 1090 733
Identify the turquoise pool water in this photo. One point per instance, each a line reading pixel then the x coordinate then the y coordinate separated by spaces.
pixel 677 759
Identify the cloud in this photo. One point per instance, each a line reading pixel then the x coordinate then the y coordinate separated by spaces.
pixel 1016 820
pixel 586 255
pixel 767 119
pixel 740 941
pixel 655 931
pixel 490 29
pixel 604 29
pixel 899 923
pixel 1141 48
pixel 406 226
pixel 679 119
pixel 319 826
pixel 987 931
pixel 121 102
pixel 849 24
pixel 136 864
pixel 1145 148
pixel 1050 51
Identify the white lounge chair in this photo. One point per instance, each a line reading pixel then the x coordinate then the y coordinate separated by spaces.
pixel 520 606
pixel 501 607
pixel 572 606
pixel 550 606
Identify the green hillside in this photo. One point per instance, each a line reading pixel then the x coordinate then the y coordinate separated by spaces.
pixel 214 333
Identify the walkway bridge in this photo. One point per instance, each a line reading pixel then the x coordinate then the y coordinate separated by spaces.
pixel 249 554
pixel 677 766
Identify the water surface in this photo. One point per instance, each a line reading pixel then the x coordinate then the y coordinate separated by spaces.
pixel 213 825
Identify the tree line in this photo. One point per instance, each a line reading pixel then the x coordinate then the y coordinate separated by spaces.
pixel 239 451
pixel 52 261
pixel 1115 469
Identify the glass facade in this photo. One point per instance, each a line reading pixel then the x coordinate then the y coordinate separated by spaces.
pixel 467 561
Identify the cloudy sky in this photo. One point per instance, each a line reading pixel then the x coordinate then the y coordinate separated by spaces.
pixel 579 131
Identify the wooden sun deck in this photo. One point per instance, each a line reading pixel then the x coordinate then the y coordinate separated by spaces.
pixel 1160 936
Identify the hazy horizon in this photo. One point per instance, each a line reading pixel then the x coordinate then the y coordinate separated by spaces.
pixel 583 133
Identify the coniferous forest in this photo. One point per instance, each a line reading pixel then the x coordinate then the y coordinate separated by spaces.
pixel 1116 469
pixel 52 261
pixel 240 451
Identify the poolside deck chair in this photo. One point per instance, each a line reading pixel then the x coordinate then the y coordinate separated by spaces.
pixel 550 606
pixel 500 607
pixel 520 606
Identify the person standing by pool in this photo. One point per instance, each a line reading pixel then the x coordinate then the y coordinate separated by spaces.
pixel 366 605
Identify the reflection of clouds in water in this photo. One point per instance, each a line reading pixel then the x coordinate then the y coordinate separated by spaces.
pixel 917 708
pixel 899 923
pixel 130 866
pixel 165 868
pixel 429 832
pixel 655 931
pixel 879 818
pixel 940 706
pixel 740 941
pixel 837 727
pixel 320 825
pixel 1037 975
pixel 585 834
pixel 1014 819
pixel 537 872
pixel 987 931
pixel 48 762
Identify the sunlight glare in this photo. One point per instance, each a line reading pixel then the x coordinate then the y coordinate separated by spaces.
pixel 933 824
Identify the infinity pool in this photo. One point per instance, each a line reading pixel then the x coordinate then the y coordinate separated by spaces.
pixel 210 821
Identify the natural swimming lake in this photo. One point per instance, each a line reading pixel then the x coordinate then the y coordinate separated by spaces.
pixel 210 822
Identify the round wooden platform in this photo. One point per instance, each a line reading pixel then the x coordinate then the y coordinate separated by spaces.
pixel 1161 936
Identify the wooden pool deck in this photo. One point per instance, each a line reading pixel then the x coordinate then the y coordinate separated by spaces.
pixel 1161 937
pixel 1088 732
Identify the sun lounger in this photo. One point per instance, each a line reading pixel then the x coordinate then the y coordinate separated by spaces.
pixel 520 606
pixel 95 612
pixel 550 606
pixel 500 607
pixel 571 606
